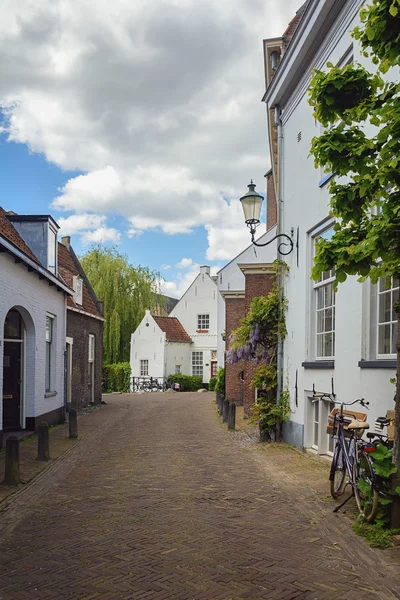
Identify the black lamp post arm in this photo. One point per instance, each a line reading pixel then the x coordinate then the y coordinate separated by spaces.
pixel 288 242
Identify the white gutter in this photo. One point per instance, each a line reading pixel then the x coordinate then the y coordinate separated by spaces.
pixel 84 312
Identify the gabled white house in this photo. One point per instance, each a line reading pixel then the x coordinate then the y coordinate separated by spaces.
pixel 185 341
pixel 347 338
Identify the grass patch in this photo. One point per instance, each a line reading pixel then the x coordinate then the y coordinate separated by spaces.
pixel 376 536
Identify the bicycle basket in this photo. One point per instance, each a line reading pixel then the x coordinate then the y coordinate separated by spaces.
pixel 348 415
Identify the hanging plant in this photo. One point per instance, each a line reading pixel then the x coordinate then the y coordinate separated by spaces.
pixel 336 92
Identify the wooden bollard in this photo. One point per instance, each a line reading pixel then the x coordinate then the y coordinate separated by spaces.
pixel 225 411
pixel 73 424
pixel 11 475
pixel 232 416
pixel 43 442
pixel 1 440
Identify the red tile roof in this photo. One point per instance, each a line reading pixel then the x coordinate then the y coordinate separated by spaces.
pixel 173 329
pixel 8 231
pixel 67 269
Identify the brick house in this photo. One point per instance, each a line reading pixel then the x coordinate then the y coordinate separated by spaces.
pixel 84 341
pixel 245 277
pixel 32 323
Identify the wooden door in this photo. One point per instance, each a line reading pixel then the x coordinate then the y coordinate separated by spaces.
pixel 12 386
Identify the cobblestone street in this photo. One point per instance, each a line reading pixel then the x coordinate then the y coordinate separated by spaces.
pixel 159 501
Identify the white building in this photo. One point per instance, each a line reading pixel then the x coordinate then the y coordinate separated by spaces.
pixel 185 341
pixel 32 323
pixel 346 338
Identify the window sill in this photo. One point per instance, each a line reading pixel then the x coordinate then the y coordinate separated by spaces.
pixel 201 330
pixel 325 180
pixel 378 364
pixel 50 394
pixel 319 364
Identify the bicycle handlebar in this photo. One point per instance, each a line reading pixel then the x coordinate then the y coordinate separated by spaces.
pixel 331 397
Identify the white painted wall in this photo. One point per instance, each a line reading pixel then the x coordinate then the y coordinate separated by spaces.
pixel 200 298
pixel 34 297
pixel 230 277
pixel 148 342
pixel 178 354
pixel 305 205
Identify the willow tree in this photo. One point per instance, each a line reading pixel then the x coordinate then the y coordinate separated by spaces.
pixel 126 291
pixel 360 112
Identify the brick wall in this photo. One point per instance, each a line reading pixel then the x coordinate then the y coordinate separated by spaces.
pixel 271 202
pixel 79 327
pixel 234 386
pixel 257 285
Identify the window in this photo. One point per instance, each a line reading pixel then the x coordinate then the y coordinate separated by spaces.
pixel 317 419
pixel 78 289
pixel 324 302
pixel 144 368
pixel 177 369
pixel 203 322
pixel 52 250
pixel 388 294
pixel 91 348
pixel 49 351
pixel 197 363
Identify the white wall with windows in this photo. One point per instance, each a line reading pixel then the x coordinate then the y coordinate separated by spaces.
pixel 346 337
pixel 43 312
pixel 178 358
pixel 147 351
pixel 197 312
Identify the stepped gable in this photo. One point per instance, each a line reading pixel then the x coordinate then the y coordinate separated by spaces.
pixel 173 329
pixel 8 231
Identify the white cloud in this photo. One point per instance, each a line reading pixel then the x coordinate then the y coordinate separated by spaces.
pixel 101 236
pixel 156 103
pixel 184 263
pixel 166 267
pixel 80 222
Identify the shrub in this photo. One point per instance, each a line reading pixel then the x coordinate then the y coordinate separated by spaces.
pixel 220 381
pixel 212 383
pixel 117 377
pixel 188 383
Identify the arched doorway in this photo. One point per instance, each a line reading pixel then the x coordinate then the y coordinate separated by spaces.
pixel 13 370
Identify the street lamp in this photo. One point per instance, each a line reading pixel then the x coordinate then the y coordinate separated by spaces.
pixel 251 204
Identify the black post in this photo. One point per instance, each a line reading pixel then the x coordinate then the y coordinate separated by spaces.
pixel 73 424
pixel 1 440
pixel 232 416
pixel 225 411
pixel 43 442
pixel 11 475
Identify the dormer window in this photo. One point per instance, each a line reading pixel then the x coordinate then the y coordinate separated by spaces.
pixel 52 249
pixel 78 289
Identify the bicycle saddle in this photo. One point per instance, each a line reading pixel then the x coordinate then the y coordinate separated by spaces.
pixel 357 425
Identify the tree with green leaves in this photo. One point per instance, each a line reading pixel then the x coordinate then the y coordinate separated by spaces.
pixel 126 291
pixel 361 147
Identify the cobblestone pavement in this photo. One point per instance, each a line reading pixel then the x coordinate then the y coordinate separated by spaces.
pixel 158 501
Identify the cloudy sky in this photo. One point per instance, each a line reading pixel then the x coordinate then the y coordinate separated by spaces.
pixel 137 122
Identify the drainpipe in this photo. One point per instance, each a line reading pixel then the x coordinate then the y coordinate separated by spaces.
pixel 281 280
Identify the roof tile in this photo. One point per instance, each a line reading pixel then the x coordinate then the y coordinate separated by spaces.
pixel 173 329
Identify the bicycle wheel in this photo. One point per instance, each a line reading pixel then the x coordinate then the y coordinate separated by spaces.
pixel 364 488
pixel 338 473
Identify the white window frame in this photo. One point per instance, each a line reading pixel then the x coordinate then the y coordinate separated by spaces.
pixel 318 439
pixel 197 363
pixel 49 353
pixel 392 323
pixel 203 321
pixel 78 289
pixel 178 369
pixel 91 347
pixel 317 285
pixel 144 367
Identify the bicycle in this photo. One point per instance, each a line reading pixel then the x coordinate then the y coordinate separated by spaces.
pixel 351 456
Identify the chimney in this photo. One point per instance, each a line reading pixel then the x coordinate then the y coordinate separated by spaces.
pixel 205 270
pixel 66 241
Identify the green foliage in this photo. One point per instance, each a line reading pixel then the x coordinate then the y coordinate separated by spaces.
pixel 126 291
pixel 380 32
pixel 212 384
pixel 116 377
pixel 268 413
pixel 220 382
pixel 376 536
pixel 336 93
pixel 188 383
